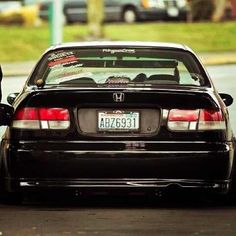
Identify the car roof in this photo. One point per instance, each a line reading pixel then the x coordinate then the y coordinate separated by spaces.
pixel 138 44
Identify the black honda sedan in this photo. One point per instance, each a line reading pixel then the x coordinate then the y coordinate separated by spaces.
pixel 117 115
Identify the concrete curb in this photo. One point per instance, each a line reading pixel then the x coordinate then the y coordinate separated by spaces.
pixel 25 68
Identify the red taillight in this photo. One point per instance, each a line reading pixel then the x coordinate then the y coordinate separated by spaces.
pixel 211 115
pixel 53 114
pixel 199 119
pixel 41 118
pixel 28 113
pixel 183 115
pixel 211 120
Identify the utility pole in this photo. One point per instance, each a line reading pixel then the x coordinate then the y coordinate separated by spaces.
pixel 95 9
pixel 56 21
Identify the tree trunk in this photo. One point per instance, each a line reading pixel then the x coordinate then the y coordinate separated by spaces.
pixel 220 6
pixel 95 19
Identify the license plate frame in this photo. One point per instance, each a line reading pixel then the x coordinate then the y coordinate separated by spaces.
pixel 111 125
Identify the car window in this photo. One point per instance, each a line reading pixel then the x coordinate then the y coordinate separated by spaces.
pixel 126 67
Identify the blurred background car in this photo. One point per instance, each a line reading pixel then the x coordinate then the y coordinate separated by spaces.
pixel 122 10
pixel 9 12
pixel 13 12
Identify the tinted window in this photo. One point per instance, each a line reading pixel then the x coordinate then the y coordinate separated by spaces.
pixel 115 67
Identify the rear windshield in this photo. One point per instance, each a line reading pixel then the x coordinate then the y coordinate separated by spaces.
pixel 116 67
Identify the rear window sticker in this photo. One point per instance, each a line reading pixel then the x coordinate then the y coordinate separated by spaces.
pixel 60 55
pixel 113 51
pixel 60 71
pixel 62 58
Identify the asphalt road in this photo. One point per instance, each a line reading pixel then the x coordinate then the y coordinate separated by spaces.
pixel 170 215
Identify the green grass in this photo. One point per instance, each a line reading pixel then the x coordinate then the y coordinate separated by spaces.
pixel 22 44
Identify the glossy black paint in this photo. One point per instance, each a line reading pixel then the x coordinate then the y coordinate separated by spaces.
pixel 35 159
pixel 164 99
pixel 6 113
pixel 227 99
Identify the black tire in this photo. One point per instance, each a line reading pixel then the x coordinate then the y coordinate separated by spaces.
pixel 8 198
pixel 11 198
pixel 129 15
pixel 2 184
pixel 232 190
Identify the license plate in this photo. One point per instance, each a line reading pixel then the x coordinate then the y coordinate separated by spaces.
pixel 123 121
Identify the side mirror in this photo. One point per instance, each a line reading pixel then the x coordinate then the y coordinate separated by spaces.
pixel 12 97
pixel 227 99
pixel 6 114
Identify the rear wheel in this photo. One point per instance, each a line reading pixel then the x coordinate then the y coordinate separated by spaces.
pixel 14 198
pixel 231 196
pixel 129 15
pixel 232 190
pixel 2 186
pixel 11 198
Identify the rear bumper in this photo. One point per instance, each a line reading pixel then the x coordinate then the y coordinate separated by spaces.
pixel 130 185
pixel 124 183
pixel 95 164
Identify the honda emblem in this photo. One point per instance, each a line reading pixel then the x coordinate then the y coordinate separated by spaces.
pixel 118 97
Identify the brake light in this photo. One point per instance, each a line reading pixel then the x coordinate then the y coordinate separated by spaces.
pixel 41 118
pixel 183 115
pixel 183 119
pixel 28 113
pixel 211 115
pixel 199 119
pixel 53 114
pixel 211 120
